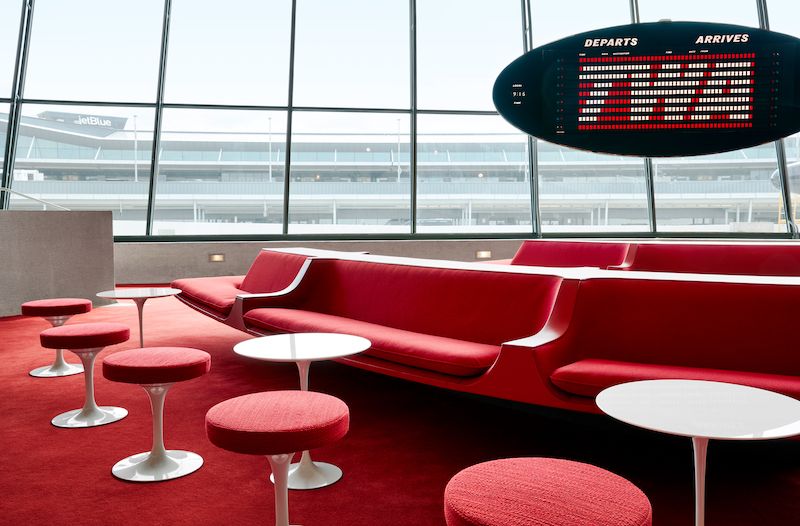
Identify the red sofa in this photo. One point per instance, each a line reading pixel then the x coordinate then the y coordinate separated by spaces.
pixel 558 253
pixel 553 337
pixel 757 259
pixel 442 323
pixel 674 326
pixel 225 298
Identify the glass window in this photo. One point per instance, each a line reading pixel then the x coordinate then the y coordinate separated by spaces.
pixel 462 45
pixel 472 175
pixel 741 12
pixel 350 173
pixel 10 11
pixel 220 172
pixel 730 192
pixel 553 20
pixel 585 192
pixel 61 158
pixel 352 53
pixel 783 17
pixel 95 50
pixel 4 109
pixel 231 53
pixel 726 192
pixel 589 192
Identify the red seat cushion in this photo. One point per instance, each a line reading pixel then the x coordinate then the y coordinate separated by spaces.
pixel 156 365
pixel 543 492
pixel 56 307
pixel 277 422
pixel 84 335
pixel 589 377
pixel 425 351
pixel 217 293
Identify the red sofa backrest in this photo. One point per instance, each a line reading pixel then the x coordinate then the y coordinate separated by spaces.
pixel 698 324
pixel 755 259
pixel 272 271
pixel 473 305
pixel 543 253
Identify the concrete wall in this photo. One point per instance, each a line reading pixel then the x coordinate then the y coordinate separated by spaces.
pixel 51 254
pixel 162 262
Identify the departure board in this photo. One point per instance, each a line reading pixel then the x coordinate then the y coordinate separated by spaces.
pixel 662 89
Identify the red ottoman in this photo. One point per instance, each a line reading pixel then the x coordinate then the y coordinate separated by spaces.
pixel 57 311
pixel 543 492
pixel 156 369
pixel 277 424
pixel 87 340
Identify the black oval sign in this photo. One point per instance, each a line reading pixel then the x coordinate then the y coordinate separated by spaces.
pixel 658 90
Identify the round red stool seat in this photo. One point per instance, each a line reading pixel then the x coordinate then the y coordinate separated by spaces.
pixel 84 335
pixel 156 365
pixel 277 422
pixel 56 307
pixel 543 492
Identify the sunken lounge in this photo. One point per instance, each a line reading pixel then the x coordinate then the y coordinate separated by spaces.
pixel 400 262
pixel 569 384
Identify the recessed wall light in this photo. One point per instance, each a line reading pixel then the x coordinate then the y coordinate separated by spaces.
pixel 483 254
pixel 216 258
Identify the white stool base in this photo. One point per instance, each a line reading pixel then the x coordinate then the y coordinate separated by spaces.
pixel 52 371
pixel 312 475
pixel 77 417
pixel 140 467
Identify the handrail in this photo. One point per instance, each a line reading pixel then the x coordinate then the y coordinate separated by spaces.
pixel 26 196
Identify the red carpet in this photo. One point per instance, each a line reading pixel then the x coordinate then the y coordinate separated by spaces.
pixel 405 443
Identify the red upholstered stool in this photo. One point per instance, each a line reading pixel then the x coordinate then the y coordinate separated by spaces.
pixel 87 340
pixel 543 492
pixel 277 424
pixel 156 369
pixel 57 311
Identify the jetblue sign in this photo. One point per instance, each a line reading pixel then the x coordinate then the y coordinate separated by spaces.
pixel 80 119
pixel 92 120
pixel 661 89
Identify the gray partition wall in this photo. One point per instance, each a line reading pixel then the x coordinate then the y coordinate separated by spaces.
pixel 54 254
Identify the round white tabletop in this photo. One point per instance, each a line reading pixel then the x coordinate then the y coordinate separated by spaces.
pixel 702 410
pixel 695 408
pixel 139 295
pixel 304 346
pixel 133 293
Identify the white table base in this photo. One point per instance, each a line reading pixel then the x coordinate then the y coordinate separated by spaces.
pixel 140 307
pixel 700 446
pixel 308 474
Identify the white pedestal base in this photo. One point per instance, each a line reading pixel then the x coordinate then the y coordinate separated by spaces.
pixel 100 416
pixel 53 371
pixel 59 366
pixel 144 467
pixel 308 474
